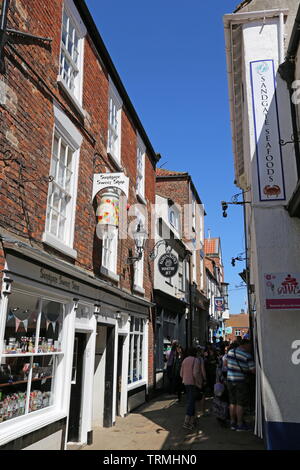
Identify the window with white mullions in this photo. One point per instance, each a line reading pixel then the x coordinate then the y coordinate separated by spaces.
pixel 140 163
pixel 114 123
pixel 136 350
pixel 109 249
pixel 60 189
pixel 71 51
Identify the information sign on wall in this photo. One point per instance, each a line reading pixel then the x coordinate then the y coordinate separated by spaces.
pixel 267 132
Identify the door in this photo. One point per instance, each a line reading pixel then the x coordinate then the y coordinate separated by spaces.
pixel 109 378
pixel 119 373
pixel 76 388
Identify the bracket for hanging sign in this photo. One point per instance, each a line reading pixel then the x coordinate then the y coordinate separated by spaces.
pixel 5 32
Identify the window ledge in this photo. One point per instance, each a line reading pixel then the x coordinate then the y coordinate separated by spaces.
pixel 139 289
pixel 141 198
pixel 70 95
pixel 136 384
pixel 110 274
pixel 115 161
pixel 52 241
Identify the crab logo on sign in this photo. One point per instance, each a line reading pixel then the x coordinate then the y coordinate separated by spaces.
pixel 168 265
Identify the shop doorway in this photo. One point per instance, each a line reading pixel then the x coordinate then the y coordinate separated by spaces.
pixel 76 388
pixel 119 374
pixel 109 378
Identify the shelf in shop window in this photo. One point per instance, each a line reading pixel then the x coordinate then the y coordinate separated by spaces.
pixel 18 382
pixel 30 354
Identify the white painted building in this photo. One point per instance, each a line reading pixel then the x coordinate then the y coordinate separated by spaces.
pixel 257 36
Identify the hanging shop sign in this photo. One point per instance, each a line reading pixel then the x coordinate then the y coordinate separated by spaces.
pixel 168 265
pixel 282 291
pixel 108 209
pixel 110 180
pixel 267 131
pixel 228 330
pixel 219 304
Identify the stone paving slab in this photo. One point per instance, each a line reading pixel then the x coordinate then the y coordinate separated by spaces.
pixel 157 425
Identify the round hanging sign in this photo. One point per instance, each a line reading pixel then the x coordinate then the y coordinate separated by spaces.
pixel 168 265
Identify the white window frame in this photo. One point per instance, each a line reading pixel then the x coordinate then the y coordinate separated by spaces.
pixel 141 353
pixel 110 247
pixel 14 428
pixel 140 168
pixel 114 123
pixel 66 130
pixel 75 95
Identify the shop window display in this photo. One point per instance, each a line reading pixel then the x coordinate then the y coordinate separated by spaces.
pixel 31 351
pixel 136 354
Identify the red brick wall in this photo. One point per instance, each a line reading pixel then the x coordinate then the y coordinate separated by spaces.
pixel 28 88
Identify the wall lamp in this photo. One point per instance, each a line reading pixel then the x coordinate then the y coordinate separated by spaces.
pixel 234 200
pixel 237 258
pixel 140 236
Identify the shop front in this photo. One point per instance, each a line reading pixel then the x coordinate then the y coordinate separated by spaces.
pixel 62 336
pixel 171 324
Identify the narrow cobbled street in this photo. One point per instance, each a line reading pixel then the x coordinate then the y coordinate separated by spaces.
pixel 157 425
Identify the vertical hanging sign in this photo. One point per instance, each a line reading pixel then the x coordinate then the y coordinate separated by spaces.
pixel 267 132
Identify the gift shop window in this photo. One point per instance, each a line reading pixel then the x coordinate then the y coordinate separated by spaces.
pixel 30 354
pixel 136 350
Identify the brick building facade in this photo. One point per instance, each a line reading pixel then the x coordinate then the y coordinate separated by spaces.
pixel 178 188
pixel 65 117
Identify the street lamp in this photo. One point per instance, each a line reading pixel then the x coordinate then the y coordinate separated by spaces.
pixel 140 236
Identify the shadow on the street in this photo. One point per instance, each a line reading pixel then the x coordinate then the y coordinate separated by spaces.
pixel 208 433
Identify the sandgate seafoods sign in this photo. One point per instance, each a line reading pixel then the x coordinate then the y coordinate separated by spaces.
pixel 282 290
pixel 267 132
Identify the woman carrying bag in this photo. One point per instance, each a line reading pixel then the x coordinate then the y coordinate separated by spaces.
pixel 192 378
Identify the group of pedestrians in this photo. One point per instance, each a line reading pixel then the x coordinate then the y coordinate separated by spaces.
pixel 221 370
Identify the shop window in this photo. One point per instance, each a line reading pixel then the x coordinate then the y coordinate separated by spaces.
pixel 30 354
pixel 136 350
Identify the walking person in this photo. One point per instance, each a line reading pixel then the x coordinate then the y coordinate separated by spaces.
pixel 170 364
pixel 211 367
pixel 192 378
pixel 177 385
pixel 200 403
pixel 240 364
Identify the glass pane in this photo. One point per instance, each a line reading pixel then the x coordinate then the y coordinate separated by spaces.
pixel 68 181
pixel 50 336
pixel 54 222
pixel 42 383
pixel 61 174
pixel 13 387
pixel 20 329
pixel 130 360
pixel 55 146
pixel 61 228
pixel 56 198
pixel 141 358
pixel 135 358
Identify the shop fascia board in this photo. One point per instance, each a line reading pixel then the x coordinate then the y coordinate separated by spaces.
pixel 235 105
pixel 35 254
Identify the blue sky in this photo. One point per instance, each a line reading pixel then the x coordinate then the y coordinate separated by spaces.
pixel 170 56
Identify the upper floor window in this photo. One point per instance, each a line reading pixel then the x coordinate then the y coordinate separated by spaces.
pixel 114 123
pixel 110 249
pixel 62 192
pixel 174 217
pixel 71 55
pixel 140 163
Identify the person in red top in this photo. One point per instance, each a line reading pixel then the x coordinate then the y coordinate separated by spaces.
pixel 192 378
